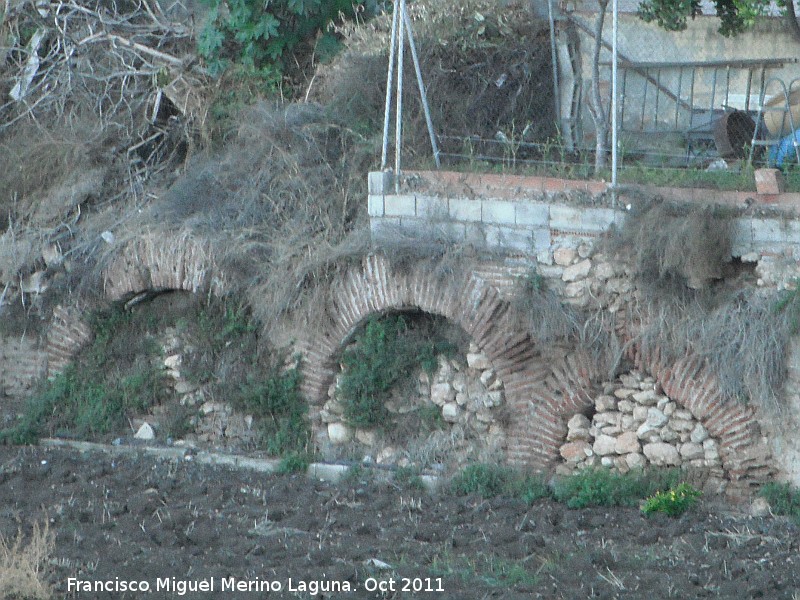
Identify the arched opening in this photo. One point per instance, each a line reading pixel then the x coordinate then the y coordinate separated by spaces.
pixel 412 390
pixel 190 366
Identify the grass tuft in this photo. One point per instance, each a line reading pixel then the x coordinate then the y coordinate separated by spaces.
pixel 387 353
pixel 783 498
pixel 490 481
pixel 21 564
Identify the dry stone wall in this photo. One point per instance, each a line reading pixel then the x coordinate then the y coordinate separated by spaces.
pixel 462 402
pixel 210 421
pixel 636 426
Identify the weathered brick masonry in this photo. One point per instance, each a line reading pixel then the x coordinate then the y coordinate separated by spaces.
pixel 544 387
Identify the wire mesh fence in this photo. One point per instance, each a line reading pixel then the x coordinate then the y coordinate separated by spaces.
pixel 693 107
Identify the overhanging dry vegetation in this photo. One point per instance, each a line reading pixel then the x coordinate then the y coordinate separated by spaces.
pixel 673 247
pixel 280 206
pixel 117 105
pixel 743 336
pixel 679 256
pixel 551 322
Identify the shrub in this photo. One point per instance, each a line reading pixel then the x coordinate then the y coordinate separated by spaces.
pixel 281 409
pixel 408 478
pixel 602 487
pixel 485 480
pixel 783 499
pixel 385 354
pixel 673 502
pixel 490 481
pixel 264 36
pixel 85 403
pixel 295 462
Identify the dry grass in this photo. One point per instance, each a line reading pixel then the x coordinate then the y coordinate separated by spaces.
pixel 280 207
pixel 550 322
pixel 21 564
pixel 743 336
pixel 672 248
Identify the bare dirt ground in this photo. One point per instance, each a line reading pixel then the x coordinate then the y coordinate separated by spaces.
pixel 141 519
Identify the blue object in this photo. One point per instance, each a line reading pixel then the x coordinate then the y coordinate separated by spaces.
pixel 778 154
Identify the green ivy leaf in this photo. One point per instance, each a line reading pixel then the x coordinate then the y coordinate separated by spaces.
pixel 210 41
pixel 267 27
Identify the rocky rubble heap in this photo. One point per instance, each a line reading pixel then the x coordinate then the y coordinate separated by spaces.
pixel 636 426
pixel 467 394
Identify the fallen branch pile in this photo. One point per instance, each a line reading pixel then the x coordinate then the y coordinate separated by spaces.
pixel 125 68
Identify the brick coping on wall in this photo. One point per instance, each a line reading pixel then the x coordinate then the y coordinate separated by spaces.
pixel 493 185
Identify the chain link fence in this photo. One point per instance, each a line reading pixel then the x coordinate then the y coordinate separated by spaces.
pixel 693 107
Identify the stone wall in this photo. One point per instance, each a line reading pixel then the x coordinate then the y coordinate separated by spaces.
pixel 544 387
pixel 635 426
pixel 452 418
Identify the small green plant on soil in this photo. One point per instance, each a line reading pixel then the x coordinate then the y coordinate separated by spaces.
pixel 783 498
pixel 489 481
pixel 386 354
pixel 673 502
pixel 488 569
pixel 603 487
pixel 788 305
pixel 296 462
pixel 408 478
pixel 117 375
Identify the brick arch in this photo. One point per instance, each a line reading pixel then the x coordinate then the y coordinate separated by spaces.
pixel 542 391
pixel 158 262
pixel 746 459
pixel 150 262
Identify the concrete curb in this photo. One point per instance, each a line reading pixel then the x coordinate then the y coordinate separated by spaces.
pixel 331 473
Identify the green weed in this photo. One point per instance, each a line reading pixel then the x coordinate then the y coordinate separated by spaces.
pixel 281 410
pixel 603 487
pixel 783 498
pixel 408 478
pixel 490 481
pixel 673 502
pixel 385 354
pixel 295 462
pixel 490 570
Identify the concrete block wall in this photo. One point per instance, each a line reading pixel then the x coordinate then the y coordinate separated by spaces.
pixel 523 226
pixel 524 218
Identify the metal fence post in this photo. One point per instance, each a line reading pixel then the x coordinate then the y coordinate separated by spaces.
pixel 614 107
pixel 398 131
pixel 422 94
pixel 389 78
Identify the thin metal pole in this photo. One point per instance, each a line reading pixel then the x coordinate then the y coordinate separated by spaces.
pixel 423 96
pixel 398 131
pixel 389 82
pixel 554 60
pixel 614 108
